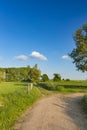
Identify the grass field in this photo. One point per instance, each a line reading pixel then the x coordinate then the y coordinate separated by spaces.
pixel 66 86
pixel 15 99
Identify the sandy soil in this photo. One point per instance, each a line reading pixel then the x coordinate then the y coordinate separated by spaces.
pixel 58 112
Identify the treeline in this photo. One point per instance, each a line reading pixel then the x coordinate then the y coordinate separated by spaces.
pixel 20 74
pixel 27 74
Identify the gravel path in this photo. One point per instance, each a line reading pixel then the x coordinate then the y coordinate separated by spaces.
pixel 57 112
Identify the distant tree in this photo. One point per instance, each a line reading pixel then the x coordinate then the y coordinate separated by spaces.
pixel 44 77
pixel 16 74
pixel 21 74
pixel 67 79
pixel 79 54
pixel 56 77
pixel 34 74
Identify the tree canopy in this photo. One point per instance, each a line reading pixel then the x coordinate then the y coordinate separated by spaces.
pixel 20 74
pixel 34 74
pixel 44 77
pixel 56 77
pixel 79 54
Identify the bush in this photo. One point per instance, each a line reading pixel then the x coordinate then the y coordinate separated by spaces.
pixel 59 88
pixel 52 86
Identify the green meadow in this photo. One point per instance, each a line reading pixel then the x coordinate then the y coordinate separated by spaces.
pixel 15 97
pixel 14 100
pixel 65 86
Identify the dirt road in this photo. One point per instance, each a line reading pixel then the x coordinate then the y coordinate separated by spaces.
pixel 58 112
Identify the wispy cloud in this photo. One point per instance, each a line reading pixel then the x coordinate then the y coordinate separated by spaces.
pixel 65 57
pixel 21 57
pixel 38 55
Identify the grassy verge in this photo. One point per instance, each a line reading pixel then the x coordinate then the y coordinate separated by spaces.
pixel 15 101
pixel 84 103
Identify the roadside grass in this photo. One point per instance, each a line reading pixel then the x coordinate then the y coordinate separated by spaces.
pixel 9 87
pixel 16 100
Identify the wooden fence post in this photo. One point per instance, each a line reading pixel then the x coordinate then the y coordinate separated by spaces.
pixel 29 87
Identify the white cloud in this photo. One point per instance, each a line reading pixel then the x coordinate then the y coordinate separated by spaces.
pixel 65 57
pixel 21 57
pixel 37 55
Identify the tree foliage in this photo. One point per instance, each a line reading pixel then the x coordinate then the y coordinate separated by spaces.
pixel 44 77
pixel 2 74
pixel 20 74
pixel 79 54
pixel 56 77
pixel 34 74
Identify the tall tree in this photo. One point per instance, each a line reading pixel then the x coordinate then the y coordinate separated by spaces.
pixel 79 54
pixel 34 74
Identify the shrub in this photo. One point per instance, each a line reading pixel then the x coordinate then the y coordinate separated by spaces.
pixel 59 88
pixel 52 86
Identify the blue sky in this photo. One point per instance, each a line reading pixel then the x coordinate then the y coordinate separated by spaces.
pixel 41 32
